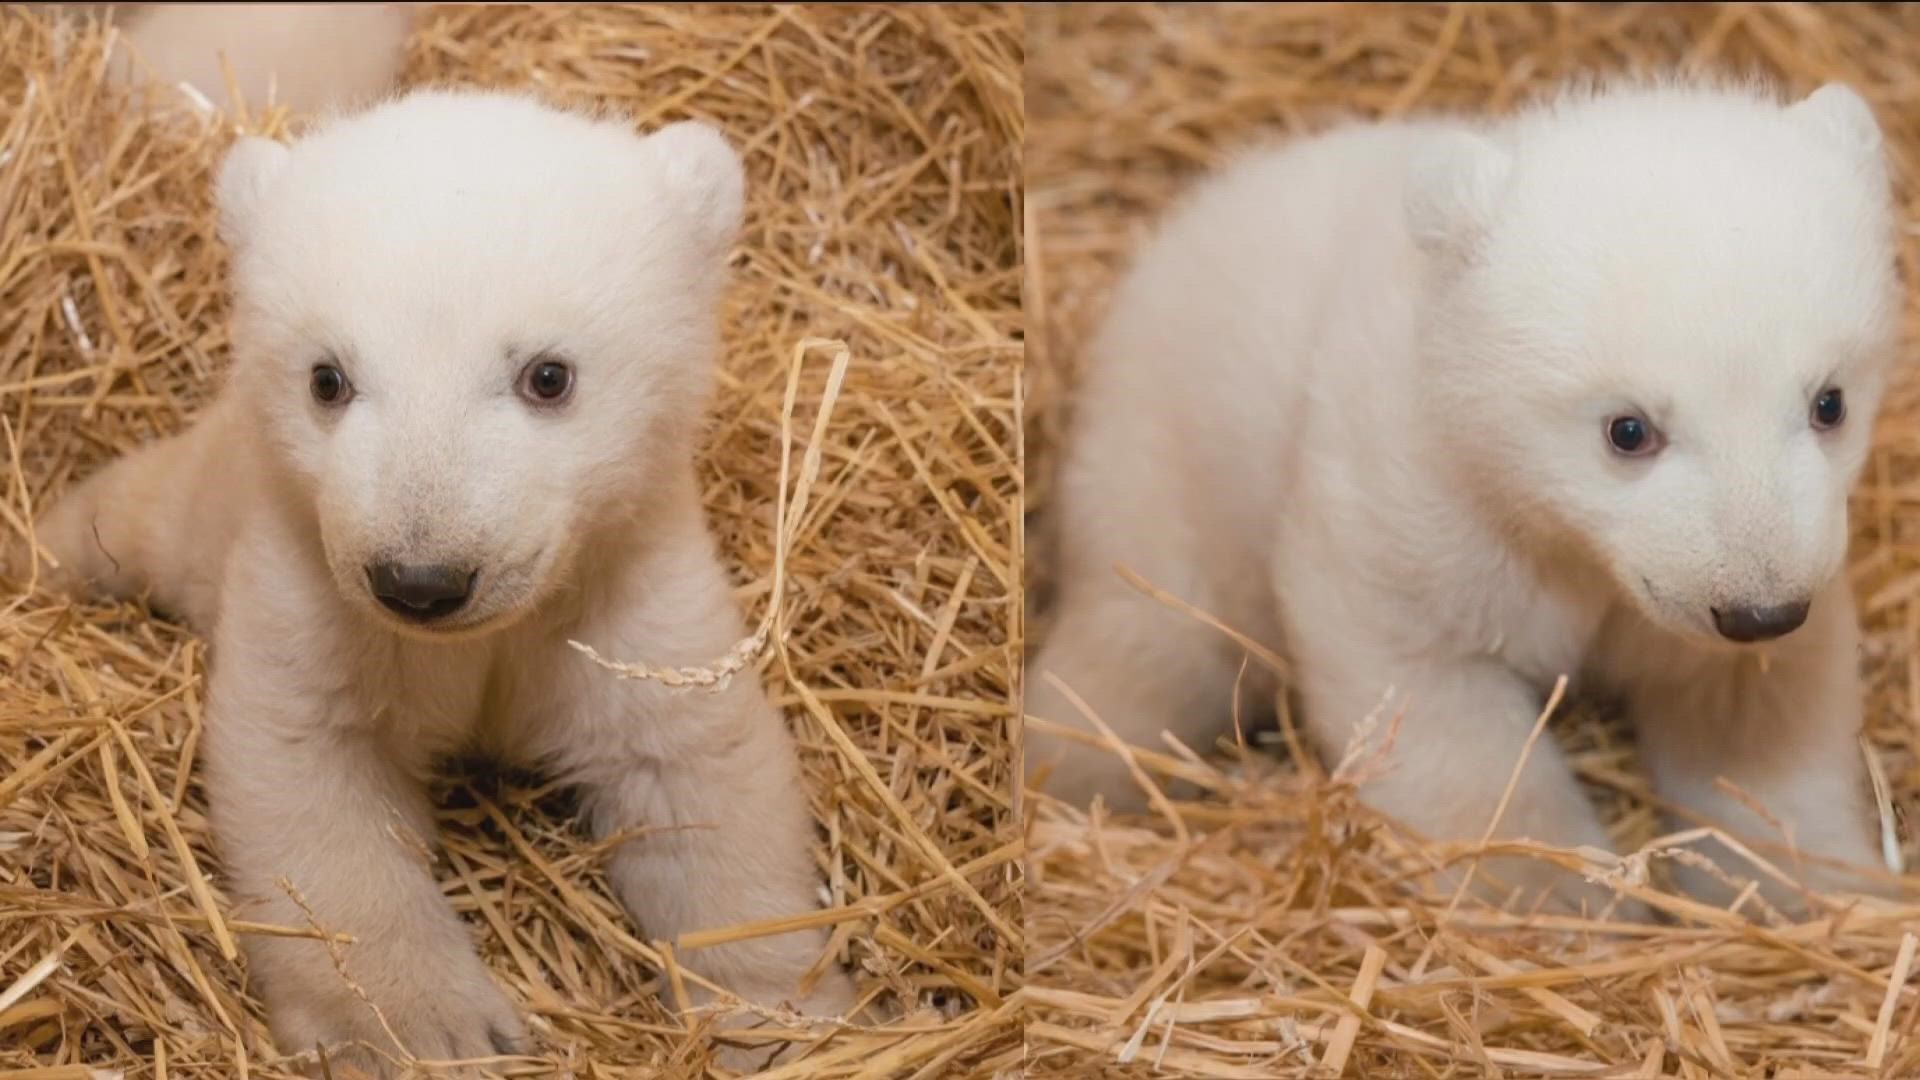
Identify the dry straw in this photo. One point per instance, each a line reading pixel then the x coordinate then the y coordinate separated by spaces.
pixel 873 356
pixel 1271 934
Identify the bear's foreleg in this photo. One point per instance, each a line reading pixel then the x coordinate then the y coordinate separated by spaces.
pixel 1766 749
pixel 323 823
pixel 1445 744
pixel 719 836
pixel 704 784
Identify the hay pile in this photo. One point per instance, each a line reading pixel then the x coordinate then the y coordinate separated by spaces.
pixel 883 148
pixel 1271 938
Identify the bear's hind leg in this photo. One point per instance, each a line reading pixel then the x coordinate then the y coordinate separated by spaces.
pixel 1142 668
pixel 148 523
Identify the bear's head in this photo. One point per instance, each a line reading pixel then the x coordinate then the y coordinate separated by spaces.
pixel 475 330
pixel 1656 325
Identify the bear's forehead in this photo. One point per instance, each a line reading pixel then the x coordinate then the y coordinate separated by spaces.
pixel 498 130
pixel 1646 297
pixel 435 160
pixel 402 275
pixel 1656 289
pixel 460 231
pixel 1750 224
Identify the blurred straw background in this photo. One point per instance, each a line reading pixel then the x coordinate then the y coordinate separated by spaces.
pixel 883 145
pixel 1272 938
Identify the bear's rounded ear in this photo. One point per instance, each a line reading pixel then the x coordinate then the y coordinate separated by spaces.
pixel 247 170
pixel 703 180
pixel 1837 112
pixel 1453 185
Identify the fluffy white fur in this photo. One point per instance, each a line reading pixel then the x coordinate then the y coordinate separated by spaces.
pixel 309 57
pixel 1353 399
pixel 431 248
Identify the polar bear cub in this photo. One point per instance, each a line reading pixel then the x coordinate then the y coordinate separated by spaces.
pixel 1444 411
pixel 473 340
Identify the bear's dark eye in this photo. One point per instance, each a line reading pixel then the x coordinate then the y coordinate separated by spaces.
pixel 546 381
pixel 1829 409
pixel 329 385
pixel 1632 436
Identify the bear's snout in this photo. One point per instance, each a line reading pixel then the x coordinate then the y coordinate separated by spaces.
pixel 421 593
pixel 1750 624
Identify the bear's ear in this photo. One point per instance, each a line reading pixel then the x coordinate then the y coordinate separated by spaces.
pixel 1453 185
pixel 1840 114
pixel 703 181
pixel 244 176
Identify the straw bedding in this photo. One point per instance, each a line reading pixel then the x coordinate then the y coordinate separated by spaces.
pixel 1267 934
pixel 883 149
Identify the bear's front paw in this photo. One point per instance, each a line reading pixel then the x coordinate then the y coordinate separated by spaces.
pixel 448 1012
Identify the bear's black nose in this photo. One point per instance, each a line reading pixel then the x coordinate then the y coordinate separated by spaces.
pixel 1746 624
pixel 421 593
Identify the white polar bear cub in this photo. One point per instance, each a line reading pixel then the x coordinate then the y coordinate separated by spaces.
pixel 1445 411
pixel 474 338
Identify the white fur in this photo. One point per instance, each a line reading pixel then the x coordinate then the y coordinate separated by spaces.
pixel 309 57
pixel 432 246
pixel 1353 400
